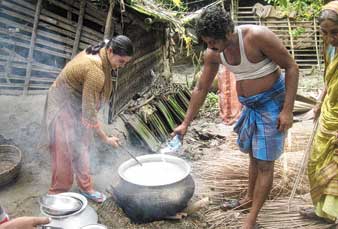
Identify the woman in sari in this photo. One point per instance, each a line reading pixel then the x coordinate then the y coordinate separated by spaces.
pixel 323 161
pixel 72 104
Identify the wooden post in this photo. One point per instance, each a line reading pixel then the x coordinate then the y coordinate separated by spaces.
pixel 32 46
pixel 291 38
pixel 70 9
pixel 79 28
pixel 316 44
pixel 108 26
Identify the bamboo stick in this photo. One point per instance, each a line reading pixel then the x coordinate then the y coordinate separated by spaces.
pixel 301 171
pixel 291 38
pixel 32 46
pixel 316 43
pixel 79 28
pixel 108 27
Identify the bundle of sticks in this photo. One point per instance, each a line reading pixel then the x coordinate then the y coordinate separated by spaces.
pixel 225 176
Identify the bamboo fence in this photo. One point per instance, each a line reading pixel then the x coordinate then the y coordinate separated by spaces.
pixel 305 48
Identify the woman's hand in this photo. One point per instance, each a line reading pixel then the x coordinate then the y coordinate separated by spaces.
pixel 113 141
pixel 25 223
pixel 316 111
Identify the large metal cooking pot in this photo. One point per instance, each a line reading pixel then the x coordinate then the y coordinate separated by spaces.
pixel 86 215
pixel 144 203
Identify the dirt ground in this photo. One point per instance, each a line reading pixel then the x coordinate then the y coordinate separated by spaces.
pixel 20 125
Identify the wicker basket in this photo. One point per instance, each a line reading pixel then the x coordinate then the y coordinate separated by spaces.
pixel 10 163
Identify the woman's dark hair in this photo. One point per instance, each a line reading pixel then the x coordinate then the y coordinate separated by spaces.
pixel 121 45
pixel 215 23
pixel 328 15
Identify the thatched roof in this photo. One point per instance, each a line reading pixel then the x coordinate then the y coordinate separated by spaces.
pixel 179 19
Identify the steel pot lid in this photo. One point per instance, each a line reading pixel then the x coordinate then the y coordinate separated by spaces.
pixel 59 204
pixel 78 196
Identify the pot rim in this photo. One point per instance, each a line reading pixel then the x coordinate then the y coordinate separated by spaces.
pixel 69 194
pixel 153 158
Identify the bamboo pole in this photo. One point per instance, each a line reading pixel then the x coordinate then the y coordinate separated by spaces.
pixel 70 9
pixel 291 38
pixel 316 43
pixel 108 27
pixel 32 45
pixel 302 168
pixel 79 28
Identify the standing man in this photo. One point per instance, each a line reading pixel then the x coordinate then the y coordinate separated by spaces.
pixel 256 56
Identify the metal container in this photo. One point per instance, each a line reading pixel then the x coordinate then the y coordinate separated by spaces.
pixel 86 215
pixel 59 205
pixel 146 203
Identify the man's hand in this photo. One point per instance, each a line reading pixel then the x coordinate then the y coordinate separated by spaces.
pixel 25 223
pixel 181 130
pixel 285 121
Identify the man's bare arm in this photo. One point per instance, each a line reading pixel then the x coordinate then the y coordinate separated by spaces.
pixel 273 48
pixel 201 90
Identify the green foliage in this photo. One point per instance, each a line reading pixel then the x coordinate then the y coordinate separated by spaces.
pixel 297 32
pixel 173 4
pixel 306 9
pixel 211 102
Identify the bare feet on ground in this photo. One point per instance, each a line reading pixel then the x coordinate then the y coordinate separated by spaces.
pixel 236 204
pixel 249 223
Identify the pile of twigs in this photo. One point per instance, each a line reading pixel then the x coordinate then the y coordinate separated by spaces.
pixel 275 214
pixel 224 176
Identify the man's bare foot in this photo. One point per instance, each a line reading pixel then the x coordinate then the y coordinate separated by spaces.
pixel 236 204
pixel 250 224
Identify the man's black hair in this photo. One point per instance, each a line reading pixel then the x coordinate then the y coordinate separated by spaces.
pixel 215 23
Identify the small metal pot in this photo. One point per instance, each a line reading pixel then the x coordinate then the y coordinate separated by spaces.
pixel 85 216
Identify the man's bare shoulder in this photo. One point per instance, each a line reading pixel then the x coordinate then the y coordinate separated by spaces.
pixel 256 31
pixel 211 56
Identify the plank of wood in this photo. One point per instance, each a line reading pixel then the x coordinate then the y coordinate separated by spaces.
pixel 62 25
pixel 60 48
pixel 93 10
pixel 45 34
pixel 108 27
pixel 32 46
pixel 21 85
pixel 93 13
pixel 79 28
pixel 44 50
pixel 66 28
pixel 22 62
pixel 33 79
pixel 5 91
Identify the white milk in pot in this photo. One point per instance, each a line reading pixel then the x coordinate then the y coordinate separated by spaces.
pixel 154 173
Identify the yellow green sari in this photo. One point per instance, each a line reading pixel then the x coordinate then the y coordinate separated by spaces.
pixel 323 161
